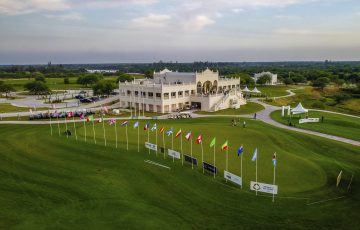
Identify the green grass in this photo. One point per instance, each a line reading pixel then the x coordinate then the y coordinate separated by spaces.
pixel 58 183
pixel 8 108
pixel 249 108
pixel 275 90
pixel 334 124
pixel 53 83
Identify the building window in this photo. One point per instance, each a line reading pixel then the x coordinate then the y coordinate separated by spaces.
pixel 173 94
pixel 166 96
pixel 128 92
pixel 180 94
pixel 192 92
pixel 186 93
pixel 150 94
pixel 136 93
pixel 158 95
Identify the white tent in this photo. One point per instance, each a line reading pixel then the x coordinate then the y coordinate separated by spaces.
pixel 246 90
pixel 255 90
pixel 299 109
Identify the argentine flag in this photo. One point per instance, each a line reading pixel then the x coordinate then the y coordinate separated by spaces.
pixel 169 132
pixel 254 156
pixel 153 128
pixel 136 124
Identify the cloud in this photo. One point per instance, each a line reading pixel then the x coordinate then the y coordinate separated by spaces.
pixel 67 17
pixel 152 21
pixel 14 7
pixel 237 10
pixel 197 23
pixel 305 32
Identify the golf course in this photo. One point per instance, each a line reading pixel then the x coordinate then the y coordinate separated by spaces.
pixel 54 182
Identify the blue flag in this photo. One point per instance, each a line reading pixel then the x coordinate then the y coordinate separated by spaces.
pixel 254 156
pixel 136 124
pixel 153 128
pixel 240 151
pixel 169 132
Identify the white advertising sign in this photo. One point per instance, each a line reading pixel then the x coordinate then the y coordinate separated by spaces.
pixel 308 120
pixel 151 146
pixel 233 178
pixel 174 154
pixel 261 187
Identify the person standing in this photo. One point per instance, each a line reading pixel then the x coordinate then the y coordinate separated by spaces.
pixel 244 124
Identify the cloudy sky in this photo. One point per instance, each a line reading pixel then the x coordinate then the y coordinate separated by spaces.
pixel 92 31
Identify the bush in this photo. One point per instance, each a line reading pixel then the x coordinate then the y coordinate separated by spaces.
pixel 340 97
pixel 318 105
pixel 66 81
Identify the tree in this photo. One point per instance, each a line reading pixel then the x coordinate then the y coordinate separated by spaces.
pixel 264 79
pixel 149 74
pixel 124 77
pixel 103 88
pixel 66 81
pixel 321 82
pixel 37 88
pixel 288 81
pixel 6 88
pixel 88 79
pixel 40 78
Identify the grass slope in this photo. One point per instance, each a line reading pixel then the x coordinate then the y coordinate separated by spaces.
pixel 334 124
pixel 54 182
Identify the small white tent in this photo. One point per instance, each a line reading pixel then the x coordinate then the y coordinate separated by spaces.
pixel 255 90
pixel 246 90
pixel 299 109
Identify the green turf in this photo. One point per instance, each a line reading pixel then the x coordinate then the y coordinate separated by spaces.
pixel 58 183
pixel 334 124
pixel 275 90
pixel 248 108
pixel 8 108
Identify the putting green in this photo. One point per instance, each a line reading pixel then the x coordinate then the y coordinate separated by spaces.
pixel 55 182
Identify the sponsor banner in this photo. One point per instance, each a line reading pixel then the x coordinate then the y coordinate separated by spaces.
pixel 174 154
pixel 261 187
pixel 209 167
pixel 190 159
pixel 233 178
pixel 151 146
pixel 308 120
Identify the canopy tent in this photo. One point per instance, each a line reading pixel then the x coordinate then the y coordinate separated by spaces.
pixel 255 90
pixel 299 109
pixel 246 90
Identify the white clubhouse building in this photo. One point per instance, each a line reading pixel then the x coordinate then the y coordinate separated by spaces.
pixel 172 91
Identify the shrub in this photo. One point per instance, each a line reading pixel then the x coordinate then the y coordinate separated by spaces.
pixel 318 105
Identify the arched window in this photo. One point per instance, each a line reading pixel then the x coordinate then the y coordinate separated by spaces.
pixel 198 87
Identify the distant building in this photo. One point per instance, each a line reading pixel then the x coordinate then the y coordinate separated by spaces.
pixel 273 77
pixel 100 71
pixel 172 91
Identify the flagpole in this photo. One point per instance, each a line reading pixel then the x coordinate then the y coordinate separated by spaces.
pixel 102 119
pixel 164 142
pixel 74 127
pixel 58 123
pixel 116 138
pixel 202 156
pixel 256 170
pixel 182 154
pixel 156 141
pixel 214 163
pixel 51 131
pixel 241 170
pixel 149 137
pixel 94 130
pixel 127 138
pixel 85 129
pixel 227 160
pixel 192 164
pixel 172 144
pixel 273 198
pixel 67 134
pixel 131 107
pixel 138 138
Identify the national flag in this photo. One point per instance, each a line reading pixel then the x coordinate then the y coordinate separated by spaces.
pixel 70 114
pixel 199 139
pixel 153 127
pixel 161 130
pixel 178 133
pixel 240 150
pixel 146 127
pixel 169 132
pixel 136 124
pixel 112 121
pixel 274 159
pixel 188 136
pixel 225 146
pixel 213 142
pixel 90 118
pixel 254 155
pixel 124 123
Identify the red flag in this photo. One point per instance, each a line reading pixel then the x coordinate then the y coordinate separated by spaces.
pixel 199 139
pixel 161 130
